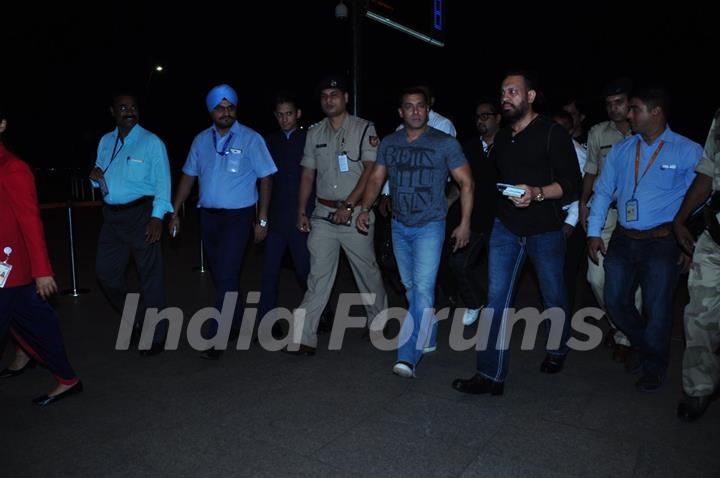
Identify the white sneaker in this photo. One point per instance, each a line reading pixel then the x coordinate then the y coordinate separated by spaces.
pixel 430 348
pixel 403 369
pixel 470 316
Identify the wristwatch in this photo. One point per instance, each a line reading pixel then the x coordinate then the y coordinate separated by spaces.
pixel 263 222
pixel 540 196
pixel 349 206
pixel 364 209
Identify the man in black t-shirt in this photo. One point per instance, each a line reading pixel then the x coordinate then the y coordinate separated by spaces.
pixel 535 155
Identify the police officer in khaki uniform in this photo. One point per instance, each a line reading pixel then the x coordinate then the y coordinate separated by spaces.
pixel 339 155
pixel 701 364
pixel 601 139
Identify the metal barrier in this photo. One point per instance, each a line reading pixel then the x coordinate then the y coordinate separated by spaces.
pixel 74 291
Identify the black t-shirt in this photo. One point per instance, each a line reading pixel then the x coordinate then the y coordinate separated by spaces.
pixel 541 154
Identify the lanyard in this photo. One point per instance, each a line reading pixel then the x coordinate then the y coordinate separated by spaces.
pixel 226 149
pixel 115 152
pixel 637 162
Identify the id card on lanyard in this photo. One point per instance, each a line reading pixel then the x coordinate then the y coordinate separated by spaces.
pixel 232 164
pixel 5 268
pixel 632 207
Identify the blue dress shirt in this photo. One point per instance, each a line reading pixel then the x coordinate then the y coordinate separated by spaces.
pixel 228 166
pixel 659 193
pixel 135 167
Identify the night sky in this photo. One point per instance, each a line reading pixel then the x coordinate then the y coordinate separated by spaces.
pixel 60 64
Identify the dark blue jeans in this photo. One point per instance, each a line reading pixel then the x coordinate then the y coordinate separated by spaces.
pixel 507 254
pixel 652 264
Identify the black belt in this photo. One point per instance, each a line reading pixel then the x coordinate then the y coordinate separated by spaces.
pixel 215 210
pixel 130 205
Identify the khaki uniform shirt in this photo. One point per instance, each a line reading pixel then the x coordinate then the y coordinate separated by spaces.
pixel 709 165
pixel 601 138
pixel 356 138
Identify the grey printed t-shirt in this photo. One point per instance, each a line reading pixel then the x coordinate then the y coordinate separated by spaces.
pixel 418 174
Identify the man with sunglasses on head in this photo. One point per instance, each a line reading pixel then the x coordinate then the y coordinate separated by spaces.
pixel 227 159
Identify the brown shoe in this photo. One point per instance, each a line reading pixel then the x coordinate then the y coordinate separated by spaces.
pixel 620 353
pixel 304 350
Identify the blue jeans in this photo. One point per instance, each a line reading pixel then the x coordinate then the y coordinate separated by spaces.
pixel 651 263
pixel 507 254
pixel 417 251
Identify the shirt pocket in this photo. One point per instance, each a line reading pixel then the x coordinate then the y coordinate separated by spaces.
pixel 137 169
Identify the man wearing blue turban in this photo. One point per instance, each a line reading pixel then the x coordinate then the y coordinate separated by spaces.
pixel 227 159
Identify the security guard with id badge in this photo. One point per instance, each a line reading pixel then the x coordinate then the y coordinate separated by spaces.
pixel 338 158
pixel 133 174
pixel 227 159
pixel 649 173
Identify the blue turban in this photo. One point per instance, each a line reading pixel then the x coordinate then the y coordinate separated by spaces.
pixel 219 93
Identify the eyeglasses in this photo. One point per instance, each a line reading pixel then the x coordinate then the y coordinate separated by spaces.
pixel 484 116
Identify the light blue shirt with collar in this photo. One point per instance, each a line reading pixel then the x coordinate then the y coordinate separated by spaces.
pixel 659 193
pixel 228 166
pixel 135 167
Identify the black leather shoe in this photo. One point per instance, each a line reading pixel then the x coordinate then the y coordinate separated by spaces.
pixel 552 363
pixel 691 408
pixel 9 373
pixel 304 350
pixel 46 400
pixel 211 354
pixel 477 385
pixel 649 382
pixel 154 349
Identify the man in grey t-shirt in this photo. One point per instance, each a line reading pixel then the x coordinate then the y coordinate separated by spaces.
pixel 417 159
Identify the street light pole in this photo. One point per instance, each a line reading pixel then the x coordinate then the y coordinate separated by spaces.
pixel 356 40
pixel 341 12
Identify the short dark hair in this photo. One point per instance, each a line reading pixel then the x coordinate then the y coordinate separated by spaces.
pixel 532 82
pixel 118 93
pixel 561 113
pixel 2 111
pixel 654 96
pixel 414 90
pixel 286 97
pixel 493 102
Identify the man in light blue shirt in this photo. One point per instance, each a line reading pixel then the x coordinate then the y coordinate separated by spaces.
pixel 133 174
pixel 227 159
pixel 649 174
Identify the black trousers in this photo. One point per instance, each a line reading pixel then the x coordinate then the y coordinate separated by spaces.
pixel 469 267
pixel 123 235
pixel 575 258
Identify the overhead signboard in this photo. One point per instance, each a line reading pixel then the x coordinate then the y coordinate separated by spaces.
pixel 422 19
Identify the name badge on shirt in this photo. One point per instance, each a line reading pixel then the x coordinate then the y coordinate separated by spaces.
pixel 233 165
pixel 631 210
pixel 235 151
pixel 136 160
pixel 103 187
pixel 5 268
pixel 343 163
